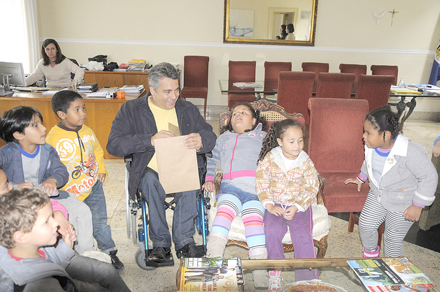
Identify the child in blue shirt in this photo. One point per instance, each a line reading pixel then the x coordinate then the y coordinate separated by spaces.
pixel 29 162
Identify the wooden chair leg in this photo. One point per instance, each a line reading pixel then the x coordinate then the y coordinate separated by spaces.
pixel 353 219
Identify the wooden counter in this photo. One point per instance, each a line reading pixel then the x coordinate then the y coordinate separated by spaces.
pixel 100 112
pixel 116 79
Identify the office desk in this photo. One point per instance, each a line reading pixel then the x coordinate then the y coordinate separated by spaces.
pixel 100 112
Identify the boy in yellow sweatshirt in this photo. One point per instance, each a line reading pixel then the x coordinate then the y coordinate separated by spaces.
pixel 81 153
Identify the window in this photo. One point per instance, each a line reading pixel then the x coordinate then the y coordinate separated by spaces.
pixel 19 33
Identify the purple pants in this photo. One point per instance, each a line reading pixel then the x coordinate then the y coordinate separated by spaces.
pixel 301 227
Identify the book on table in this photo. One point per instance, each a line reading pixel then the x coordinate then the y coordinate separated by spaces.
pixel 87 87
pixel 391 274
pixel 210 274
pixel 132 88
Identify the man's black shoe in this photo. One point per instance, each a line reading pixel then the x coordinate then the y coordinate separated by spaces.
pixel 191 250
pixel 159 254
pixel 116 262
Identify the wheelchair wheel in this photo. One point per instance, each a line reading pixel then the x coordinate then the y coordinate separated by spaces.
pixel 140 260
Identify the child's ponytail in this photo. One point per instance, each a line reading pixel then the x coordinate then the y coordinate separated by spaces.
pixel 270 141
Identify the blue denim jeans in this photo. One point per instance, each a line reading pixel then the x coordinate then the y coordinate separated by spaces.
pixel 101 230
pixel 85 271
pixel 184 213
pixel 244 197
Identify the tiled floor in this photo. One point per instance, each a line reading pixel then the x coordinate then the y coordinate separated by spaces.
pixel 341 243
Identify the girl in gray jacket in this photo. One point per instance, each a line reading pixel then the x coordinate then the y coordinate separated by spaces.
pixel 402 181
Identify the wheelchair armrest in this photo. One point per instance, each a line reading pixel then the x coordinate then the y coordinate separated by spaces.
pixel 128 159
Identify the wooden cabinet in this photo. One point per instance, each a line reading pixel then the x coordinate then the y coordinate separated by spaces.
pixel 116 79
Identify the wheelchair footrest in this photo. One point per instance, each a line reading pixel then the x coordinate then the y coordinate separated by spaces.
pixel 168 261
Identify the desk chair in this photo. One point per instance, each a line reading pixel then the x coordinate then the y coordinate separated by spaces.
pixel 385 70
pixel 272 112
pixel 334 85
pixel 240 71
pixel 336 149
pixel 271 71
pixel 356 69
pixel 315 67
pixel 375 89
pixel 195 82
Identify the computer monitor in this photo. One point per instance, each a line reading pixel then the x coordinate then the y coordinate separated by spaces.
pixel 12 73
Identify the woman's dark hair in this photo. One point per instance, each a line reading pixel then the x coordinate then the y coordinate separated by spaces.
pixel 290 27
pixel 276 131
pixel 283 32
pixel 16 120
pixel 384 119
pixel 255 114
pixel 60 56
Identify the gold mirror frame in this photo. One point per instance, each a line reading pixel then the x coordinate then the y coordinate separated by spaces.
pixel 241 40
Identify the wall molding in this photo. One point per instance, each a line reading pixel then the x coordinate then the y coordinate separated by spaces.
pixel 242 46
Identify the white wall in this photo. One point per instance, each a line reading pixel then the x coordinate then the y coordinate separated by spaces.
pixel 346 32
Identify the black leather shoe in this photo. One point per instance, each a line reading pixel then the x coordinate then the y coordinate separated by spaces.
pixel 159 254
pixel 191 250
pixel 116 262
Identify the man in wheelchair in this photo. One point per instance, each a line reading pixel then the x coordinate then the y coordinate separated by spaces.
pixel 138 123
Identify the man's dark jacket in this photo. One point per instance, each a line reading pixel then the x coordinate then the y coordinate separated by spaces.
pixel 134 126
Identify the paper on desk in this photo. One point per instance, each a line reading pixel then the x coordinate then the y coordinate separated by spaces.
pixel 97 94
pixel 52 92
pixel 176 165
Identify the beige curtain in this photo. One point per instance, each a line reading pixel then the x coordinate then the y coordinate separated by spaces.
pixel 31 32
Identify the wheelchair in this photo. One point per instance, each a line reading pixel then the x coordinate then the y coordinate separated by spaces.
pixel 137 221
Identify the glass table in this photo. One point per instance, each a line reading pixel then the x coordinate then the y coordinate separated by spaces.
pixel 256 87
pixel 333 272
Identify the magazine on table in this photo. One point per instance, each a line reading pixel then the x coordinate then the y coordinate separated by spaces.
pixel 391 274
pixel 210 274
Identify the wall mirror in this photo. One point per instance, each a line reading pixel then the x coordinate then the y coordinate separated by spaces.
pixel 259 21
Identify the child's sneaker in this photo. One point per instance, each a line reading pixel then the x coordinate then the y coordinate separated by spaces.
pixel 274 281
pixel 116 262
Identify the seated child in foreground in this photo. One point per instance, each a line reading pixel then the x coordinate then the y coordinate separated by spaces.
pixel 81 153
pixel 31 163
pixel 26 225
pixel 287 183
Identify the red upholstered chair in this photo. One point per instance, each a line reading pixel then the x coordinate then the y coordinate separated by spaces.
pixel 375 89
pixel 336 149
pixel 335 85
pixel 195 82
pixel 294 91
pixel 240 71
pixel 271 71
pixel 385 70
pixel 356 69
pixel 315 67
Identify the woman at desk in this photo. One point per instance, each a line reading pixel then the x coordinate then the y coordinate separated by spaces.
pixel 55 67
